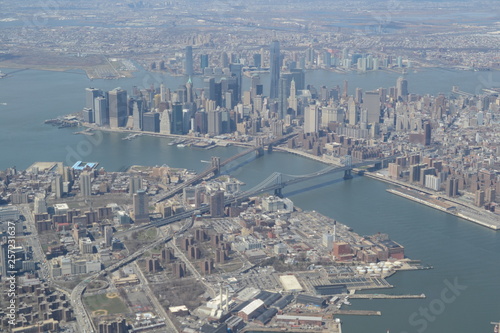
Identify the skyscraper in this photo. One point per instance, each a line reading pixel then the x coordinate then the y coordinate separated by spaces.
pixel 311 119
pixel 141 210
pixel 282 97
pixel 217 204
pixel 58 188
pixel 203 61
pixel 91 94
pixel 176 119
pixel 188 64
pixel 135 184
pixel 101 114
pixel 85 184
pixel 274 59
pixel 402 88
pixel 118 112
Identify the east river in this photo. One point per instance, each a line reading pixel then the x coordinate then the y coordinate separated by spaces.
pixel 463 288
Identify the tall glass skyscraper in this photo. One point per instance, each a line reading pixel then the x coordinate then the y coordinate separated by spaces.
pixel 274 60
pixel 188 65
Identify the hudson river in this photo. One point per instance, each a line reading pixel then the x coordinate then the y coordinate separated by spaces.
pixel 463 289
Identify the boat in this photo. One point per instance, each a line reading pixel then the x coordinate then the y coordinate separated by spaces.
pixel 180 145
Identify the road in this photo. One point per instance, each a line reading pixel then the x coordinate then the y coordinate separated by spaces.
pixel 170 327
pixel 83 317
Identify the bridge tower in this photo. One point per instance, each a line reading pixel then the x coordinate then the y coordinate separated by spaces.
pixel 279 183
pixel 347 161
pixel 216 164
pixel 259 143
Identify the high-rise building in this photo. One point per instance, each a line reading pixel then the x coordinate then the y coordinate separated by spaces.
pixel 274 59
pixel 177 119
pixel 90 95
pixel 311 119
pixel 101 113
pixel 151 122
pixel 85 184
pixel 40 205
pixel 292 100
pixel 371 102
pixel 214 122
pixel 203 61
pixel 137 114
pixel 427 133
pixel 257 60
pixel 188 64
pixel 402 89
pixel 217 204
pixel 118 111
pixel 108 235
pixel 58 186
pixel 282 97
pixel 135 184
pixel 141 209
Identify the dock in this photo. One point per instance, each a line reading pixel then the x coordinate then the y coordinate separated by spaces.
pixel 358 312
pixel 385 296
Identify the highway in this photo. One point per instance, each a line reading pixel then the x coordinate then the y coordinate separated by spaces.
pixel 83 318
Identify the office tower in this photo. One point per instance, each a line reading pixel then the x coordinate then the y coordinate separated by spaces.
pixel 203 61
pixel 311 119
pixel 209 88
pixel 327 59
pixel 292 100
pixel 165 123
pixel 90 95
pixel 254 82
pixel 224 60
pixel 353 111
pixel 189 91
pixel 200 122
pixel 85 184
pixel 176 118
pixel 274 59
pixel 427 133
pixel 218 94
pixel 236 71
pixel 299 76
pixel 358 95
pixel 282 97
pixel 214 122
pixel 137 114
pixel 101 114
pixel 151 122
pixel 402 89
pixel 108 235
pixel 345 89
pixel 118 112
pixel 188 64
pixel 257 60
pixel 217 204
pixel 88 115
pixel 141 209
pixel 371 102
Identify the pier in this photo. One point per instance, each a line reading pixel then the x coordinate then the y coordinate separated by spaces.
pixel 385 296
pixel 358 312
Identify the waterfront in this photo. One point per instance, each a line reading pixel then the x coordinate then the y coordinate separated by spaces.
pixel 455 248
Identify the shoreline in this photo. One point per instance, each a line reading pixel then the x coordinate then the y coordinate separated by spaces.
pixel 428 203
pixel 224 143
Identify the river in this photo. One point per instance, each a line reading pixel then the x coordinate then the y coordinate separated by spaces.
pixel 462 253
